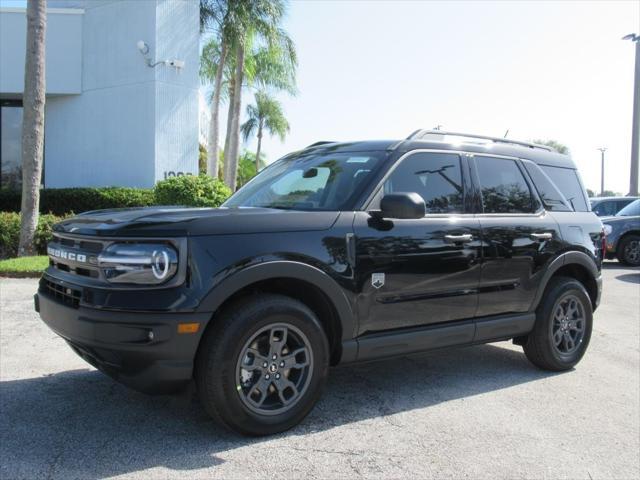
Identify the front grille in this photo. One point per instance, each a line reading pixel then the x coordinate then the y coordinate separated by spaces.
pixel 65 295
pixel 89 249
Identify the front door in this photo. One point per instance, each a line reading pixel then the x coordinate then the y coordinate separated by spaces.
pixel 424 271
pixel 518 237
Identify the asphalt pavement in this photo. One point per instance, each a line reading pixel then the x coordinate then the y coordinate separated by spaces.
pixel 477 412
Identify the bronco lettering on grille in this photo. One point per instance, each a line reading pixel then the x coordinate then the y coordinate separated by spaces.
pixel 65 255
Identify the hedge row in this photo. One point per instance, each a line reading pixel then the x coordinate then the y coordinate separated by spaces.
pixel 57 204
pixel 10 233
pixel 196 191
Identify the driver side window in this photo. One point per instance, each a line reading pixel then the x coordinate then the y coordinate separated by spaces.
pixel 436 177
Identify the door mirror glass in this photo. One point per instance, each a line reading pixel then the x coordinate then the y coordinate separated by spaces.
pixel 402 205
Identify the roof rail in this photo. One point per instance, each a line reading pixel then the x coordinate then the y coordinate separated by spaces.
pixel 419 134
pixel 321 142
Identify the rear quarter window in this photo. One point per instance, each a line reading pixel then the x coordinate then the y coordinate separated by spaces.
pixel 549 193
pixel 568 182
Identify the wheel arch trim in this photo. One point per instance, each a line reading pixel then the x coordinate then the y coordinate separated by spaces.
pixel 567 258
pixel 232 284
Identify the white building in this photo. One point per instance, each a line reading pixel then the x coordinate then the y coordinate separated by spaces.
pixel 113 116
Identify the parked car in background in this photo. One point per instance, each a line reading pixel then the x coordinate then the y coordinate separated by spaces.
pixel 623 234
pixel 609 206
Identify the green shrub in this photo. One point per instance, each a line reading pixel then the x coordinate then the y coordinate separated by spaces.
pixel 192 191
pixel 10 233
pixel 62 201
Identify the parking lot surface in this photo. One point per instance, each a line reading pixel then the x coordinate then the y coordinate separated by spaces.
pixel 477 412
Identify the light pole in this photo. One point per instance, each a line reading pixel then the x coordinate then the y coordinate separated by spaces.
pixel 635 132
pixel 602 150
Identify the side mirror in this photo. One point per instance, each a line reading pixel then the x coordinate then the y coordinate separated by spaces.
pixel 403 205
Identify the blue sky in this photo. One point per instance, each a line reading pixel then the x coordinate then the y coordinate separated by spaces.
pixel 381 69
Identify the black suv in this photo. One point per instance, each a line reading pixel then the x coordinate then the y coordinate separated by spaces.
pixel 337 253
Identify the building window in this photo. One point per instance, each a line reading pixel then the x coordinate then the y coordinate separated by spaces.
pixel 10 144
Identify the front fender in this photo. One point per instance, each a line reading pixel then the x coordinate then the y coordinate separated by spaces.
pixel 235 282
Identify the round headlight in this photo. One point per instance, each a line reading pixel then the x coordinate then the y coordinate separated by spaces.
pixel 160 264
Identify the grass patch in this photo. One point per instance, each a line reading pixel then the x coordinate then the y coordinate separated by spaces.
pixel 24 266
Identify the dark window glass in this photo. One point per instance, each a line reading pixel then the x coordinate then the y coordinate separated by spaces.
pixel 11 146
pixel 549 194
pixel 436 177
pixel 309 181
pixel 631 210
pixel 620 204
pixel 504 189
pixel 605 208
pixel 566 179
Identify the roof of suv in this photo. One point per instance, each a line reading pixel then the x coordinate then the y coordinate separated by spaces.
pixel 437 140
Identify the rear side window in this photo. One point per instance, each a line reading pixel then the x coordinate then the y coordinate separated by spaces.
pixel 436 177
pixel 549 193
pixel 503 187
pixel 566 179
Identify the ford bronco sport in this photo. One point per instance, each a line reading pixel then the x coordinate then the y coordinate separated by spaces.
pixel 337 253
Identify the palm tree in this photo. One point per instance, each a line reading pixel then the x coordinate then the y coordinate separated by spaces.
pixel 214 14
pixel 248 20
pixel 267 115
pixel 33 101
pixel 213 63
pixel 234 63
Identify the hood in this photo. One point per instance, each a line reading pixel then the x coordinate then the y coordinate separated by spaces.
pixel 178 221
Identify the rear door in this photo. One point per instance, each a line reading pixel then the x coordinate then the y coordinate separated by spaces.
pixel 518 236
pixel 422 271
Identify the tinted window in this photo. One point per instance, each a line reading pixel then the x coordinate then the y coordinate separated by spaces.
pixel 503 187
pixel 605 208
pixel 631 210
pixel 549 194
pixel 620 204
pixel 566 179
pixel 309 181
pixel 436 177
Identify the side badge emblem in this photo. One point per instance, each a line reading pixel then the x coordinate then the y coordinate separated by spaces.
pixel 377 280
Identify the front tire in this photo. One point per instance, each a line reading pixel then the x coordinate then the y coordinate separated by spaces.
pixel 628 251
pixel 563 326
pixel 262 365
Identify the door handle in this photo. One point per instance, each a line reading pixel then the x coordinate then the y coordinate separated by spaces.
pixel 541 236
pixel 465 238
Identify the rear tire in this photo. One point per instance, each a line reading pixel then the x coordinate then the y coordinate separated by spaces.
pixel 262 365
pixel 628 250
pixel 562 331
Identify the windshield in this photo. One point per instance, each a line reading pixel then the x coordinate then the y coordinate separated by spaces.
pixel 631 210
pixel 323 181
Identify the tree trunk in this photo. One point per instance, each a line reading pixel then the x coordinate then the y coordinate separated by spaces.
pixel 231 157
pixel 33 101
pixel 259 147
pixel 214 126
pixel 227 140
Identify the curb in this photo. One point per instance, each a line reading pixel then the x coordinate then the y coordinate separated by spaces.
pixel 20 274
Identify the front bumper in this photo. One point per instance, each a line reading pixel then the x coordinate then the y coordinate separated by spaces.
pixel 141 350
pixel 598 292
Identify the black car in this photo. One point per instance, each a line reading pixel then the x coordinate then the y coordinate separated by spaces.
pixel 609 206
pixel 623 235
pixel 337 253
